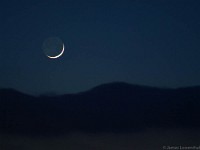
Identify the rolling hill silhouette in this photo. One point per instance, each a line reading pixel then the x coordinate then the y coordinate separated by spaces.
pixel 112 107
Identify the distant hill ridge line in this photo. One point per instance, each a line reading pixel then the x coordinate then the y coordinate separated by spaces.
pixel 113 107
pixel 102 87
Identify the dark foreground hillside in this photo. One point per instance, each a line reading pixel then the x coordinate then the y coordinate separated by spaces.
pixel 108 115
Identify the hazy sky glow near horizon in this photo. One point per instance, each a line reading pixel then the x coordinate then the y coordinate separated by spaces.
pixel 154 43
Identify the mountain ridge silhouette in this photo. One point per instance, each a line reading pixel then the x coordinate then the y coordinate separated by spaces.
pixel 112 107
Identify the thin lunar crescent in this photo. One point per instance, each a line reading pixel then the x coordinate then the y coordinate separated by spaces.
pixel 53 57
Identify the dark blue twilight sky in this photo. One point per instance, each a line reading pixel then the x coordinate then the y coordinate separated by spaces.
pixel 154 43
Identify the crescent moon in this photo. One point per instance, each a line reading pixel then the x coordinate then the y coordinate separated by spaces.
pixel 53 57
